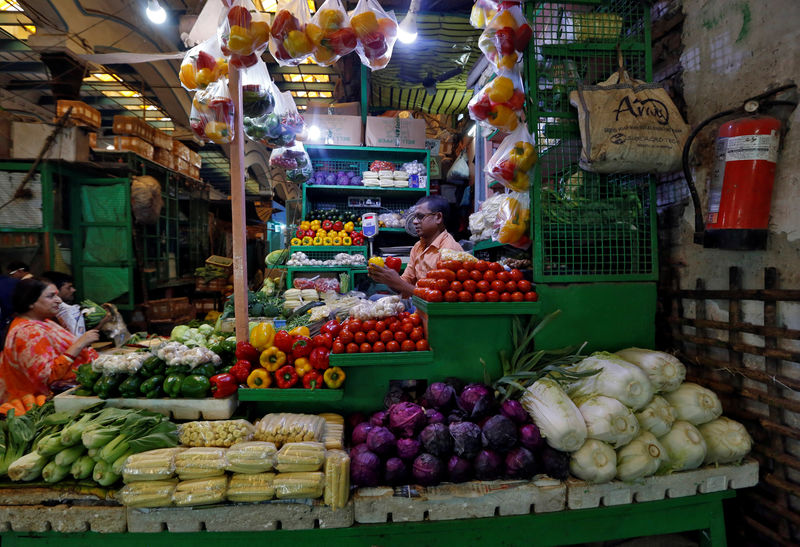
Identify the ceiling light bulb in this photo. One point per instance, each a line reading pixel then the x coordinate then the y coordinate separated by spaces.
pixel 314 133
pixel 407 31
pixel 155 12
pixel 110 147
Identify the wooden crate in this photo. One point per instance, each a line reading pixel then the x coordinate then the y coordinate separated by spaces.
pixel 180 150
pixel 161 139
pixel 135 144
pixel 164 157
pixel 134 127
pixel 169 310
pixel 215 285
pixel 204 305
pixel 193 172
pixel 82 113
pixel 195 159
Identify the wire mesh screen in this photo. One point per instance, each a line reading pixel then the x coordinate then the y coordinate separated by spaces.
pixel 388 205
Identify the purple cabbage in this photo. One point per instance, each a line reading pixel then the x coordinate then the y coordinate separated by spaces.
pixel 476 400
pixel 488 465
pixel 365 469
pixel 360 432
pixel 427 470
pixel 350 174
pixel 406 419
pixel 439 396
pixel 380 418
pixel 330 179
pixel 433 416
pixel 520 463
pixel 466 439
pixel 408 449
pixel 513 411
pixel 456 415
pixel 554 462
pixel 530 437
pixel 355 181
pixel 381 441
pixel 358 449
pixel 458 469
pixel 395 472
pixel 395 395
pixel 499 433
pixel 436 439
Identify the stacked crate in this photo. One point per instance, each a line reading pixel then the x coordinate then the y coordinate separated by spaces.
pixel 136 135
pixel 163 149
pixel 182 156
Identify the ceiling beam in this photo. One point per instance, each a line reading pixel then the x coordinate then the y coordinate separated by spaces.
pixel 302 69
pixel 305 86
pixel 12 44
pixel 22 67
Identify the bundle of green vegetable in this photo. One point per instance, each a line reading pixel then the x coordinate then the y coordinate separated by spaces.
pixel 259 304
pixel 92 312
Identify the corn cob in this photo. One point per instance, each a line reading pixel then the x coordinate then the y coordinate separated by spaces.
pixel 251 487
pixel 222 433
pixel 299 485
pixel 251 457
pixel 337 478
pixel 151 465
pixel 200 463
pixel 333 436
pixel 200 491
pixel 147 494
pixel 284 428
pixel 296 457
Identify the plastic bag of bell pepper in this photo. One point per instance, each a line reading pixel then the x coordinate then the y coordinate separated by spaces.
pixel 482 12
pixel 506 37
pixel 499 104
pixel 203 65
pixel 289 42
pixel 376 30
pixel 510 165
pixel 331 33
pixel 280 127
pixel 211 117
pixel 243 33
pixel 258 95
pixel 294 159
pixel 513 220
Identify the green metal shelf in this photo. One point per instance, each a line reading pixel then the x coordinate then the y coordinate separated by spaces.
pixel 487 244
pixel 477 308
pixel 553 50
pixel 398 230
pixel 381 359
pixel 350 249
pixel 321 268
pixel 325 188
pixel 291 395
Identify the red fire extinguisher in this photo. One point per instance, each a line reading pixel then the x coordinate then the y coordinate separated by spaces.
pixel 740 191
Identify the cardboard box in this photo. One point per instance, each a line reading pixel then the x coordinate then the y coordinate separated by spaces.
pixel 135 144
pixel 323 108
pixel 164 157
pixel 337 130
pixel 133 127
pixel 161 139
pixel 72 143
pixel 384 132
pixel 181 151
pixel 82 113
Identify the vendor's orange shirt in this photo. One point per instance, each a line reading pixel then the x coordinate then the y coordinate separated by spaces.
pixel 422 260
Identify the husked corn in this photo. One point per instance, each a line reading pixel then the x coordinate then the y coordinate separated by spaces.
pixel 337 478
pixel 152 465
pixel 147 493
pixel 201 462
pixel 333 434
pixel 251 457
pixel 222 433
pixel 282 428
pixel 295 457
pixel 251 487
pixel 200 491
pixel 299 485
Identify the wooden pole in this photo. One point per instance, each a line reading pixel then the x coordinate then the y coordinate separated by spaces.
pixel 238 211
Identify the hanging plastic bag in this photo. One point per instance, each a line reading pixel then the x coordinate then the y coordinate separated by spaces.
pixel 243 33
pixel 513 219
pixel 376 31
pixel 511 163
pixel 506 37
pixel 278 128
pixel 289 43
pixel 294 159
pixel 202 65
pixel 459 171
pixel 211 117
pixel 331 33
pixel 258 98
pixel 499 103
pixel 482 12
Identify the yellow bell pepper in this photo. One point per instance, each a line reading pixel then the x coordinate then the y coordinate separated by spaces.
pixel 327 241
pixel 187 76
pixel 219 132
pixel 300 331
pixel 314 34
pixel 259 379
pixel 516 227
pixel 347 241
pixel 377 261
pixel 364 23
pixel 302 365
pixel 321 233
pixel 272 359
pixel 331 19
pixel 507 61
pixel 305 225
pixel 501 89
pixel 315 224
pixel 262 336
pixel 307 241
pixel 337 241
pixel 523 155
pixel 221 69
pixel 521 181
pixel 324 55
pixel 259 30
pixel 296 241
pixel 505 19
pixel 204 77
pixel 334 377
pixel 297 44
pixel 343 233
pixel 212 316
pixel 503 117
pixel 349 227
pixel 318 241
pixel 239 41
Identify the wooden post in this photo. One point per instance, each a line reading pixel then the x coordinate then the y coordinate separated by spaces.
pixel 238 225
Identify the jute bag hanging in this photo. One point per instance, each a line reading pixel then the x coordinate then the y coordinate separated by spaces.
pixel 628 126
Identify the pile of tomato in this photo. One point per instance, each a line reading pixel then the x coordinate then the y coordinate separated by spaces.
pixel 475 281
pixel 402 332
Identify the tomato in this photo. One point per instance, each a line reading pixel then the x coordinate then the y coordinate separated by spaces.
pixel 524 285
pixel 360 337
pixel 462 275
pixel 392 346
pixel 422 345
pixel 408 326
pixel 483 285
pixel 366 347
pixel 354 326
pixel 395 327
pixel 451 296
pixel 426 283
pixel 476 275
pixel 408 345
pixel 399 336
pixel 373 336
pixel 338 347
pixel 378 347
pixel 531 296
pixel 442 274
pixel 517 296
pixel 416 334
pixel 516 275
pixel 453 265
pixel 470 286
pixel 404 315
pixel 368 325
pixel 495 267
pixel 352 347
pixel 498 285
pixel 416 320
pixel 489 275
pixel 479 297
pixel 465 296
pixel 442 285
pixel 345 336
pixel 390 321
pixel 380 326
pixel 504 276
pixel 387 336
pixel 493 296
pixel 456 286
pixel 481 266
pixel 511 285
pixel 434 295
pixel 505 297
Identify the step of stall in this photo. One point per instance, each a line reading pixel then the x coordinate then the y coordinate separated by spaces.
pixel 62 518
pixel 251 517
pixel 27 494
pixel 475 499
pixel 583 495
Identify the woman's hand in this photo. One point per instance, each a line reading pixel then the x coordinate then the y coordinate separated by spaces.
pixel 88 338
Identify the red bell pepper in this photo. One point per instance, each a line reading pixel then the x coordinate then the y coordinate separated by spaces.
pixel 239 16
pixel 374 45
pixel 223 385
pixel 241 370
pixel 517 100
pixel 323 340
pixel 522 36
pixel 312 380
pixel 332 327
pixel 342 41
pixel 302 347
pixel 246 352
pixel 283 23
pixel 504 170
pixel 504 40
pixel 286 376
pixel 338 226
pixel 204 60
pixel 320 358
pixel 283 341
pixel 300 234
pixel 327 225
pixel 394 263
pixel 480 109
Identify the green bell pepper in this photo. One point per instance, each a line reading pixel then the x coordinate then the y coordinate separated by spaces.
pixel 152 385
pixel 206 369
pixel 195 386
pixel 85 376
pixel 106 386
pixel 83 392
pixel 153 366
pixel 172 384
pixel 130 387
pixel 177 369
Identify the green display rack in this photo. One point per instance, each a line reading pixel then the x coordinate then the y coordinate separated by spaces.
pixel 325 252
pixel 381 359
pixel 291 395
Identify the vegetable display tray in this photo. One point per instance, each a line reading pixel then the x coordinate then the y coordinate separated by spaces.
pixel 291 395
pixel 180 409
pixel 381 359
pixel 477 308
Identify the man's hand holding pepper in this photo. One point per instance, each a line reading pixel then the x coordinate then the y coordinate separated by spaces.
pixel 390 278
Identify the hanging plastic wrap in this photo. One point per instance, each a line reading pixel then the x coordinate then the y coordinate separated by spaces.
pixel 295 161
pixel 513 220
pixel 278 128
pixel 505 38
pixel 482 12
pixel 202 65
pixel 258 97
pixel 376 31
pixel 331 33
pixel 289 43
pixel 499 103
pixel 211 117
pixel 243 33
pixel 510 165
